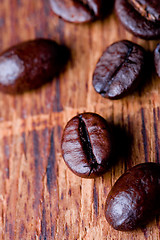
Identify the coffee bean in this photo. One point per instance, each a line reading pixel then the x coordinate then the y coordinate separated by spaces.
pixel 157 59
pixel 119 70
pixel 78 11
pixel 134 199
pixel 141 17
pixel 87 145
pixel 149 9
pixel 30 64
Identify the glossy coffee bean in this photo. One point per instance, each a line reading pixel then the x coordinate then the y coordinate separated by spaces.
pixel 119 69
pixel 77 11
pixel 134 199
pixel 87 145
pixel 30 64
pixel 157 59
pixel 149 9
pixel 141 17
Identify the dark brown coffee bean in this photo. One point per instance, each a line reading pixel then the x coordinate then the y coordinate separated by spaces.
pixel 134 198
pixel 149 9
pixel 87 145
pixel 77 11
pixel 119 69
pixel 30 64
pixel 157 59
pixel 140 19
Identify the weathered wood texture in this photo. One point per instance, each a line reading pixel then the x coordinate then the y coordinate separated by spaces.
pixel 39 197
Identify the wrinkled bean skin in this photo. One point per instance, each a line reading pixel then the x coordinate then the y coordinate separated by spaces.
pixel 157 59
pixel 134 199
pixel 137 22
pixel 77 11
pixel 119 70
pixel 30 64
pixel 87 145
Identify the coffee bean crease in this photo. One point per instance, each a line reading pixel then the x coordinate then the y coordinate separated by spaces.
pixel 119 69
pixel 89 7
pixel 106 88
pixel 87 146
pixel 145 10
pixel 141 17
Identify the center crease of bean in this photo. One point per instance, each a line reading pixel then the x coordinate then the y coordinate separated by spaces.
pixel 86 144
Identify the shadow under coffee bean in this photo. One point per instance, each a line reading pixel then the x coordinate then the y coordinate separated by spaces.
pixel 143 21
pixel 119 70
pixel 87 145
pixel 122 142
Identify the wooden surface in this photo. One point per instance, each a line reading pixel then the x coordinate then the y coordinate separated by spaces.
pixel 39 197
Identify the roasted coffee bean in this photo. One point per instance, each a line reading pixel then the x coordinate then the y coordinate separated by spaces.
pixel 78 11
pixel 87 145
pixel 149 9
pixel 134 199
pixel 119 70
pixel 30 64
pixel 157 59
pixel 141 17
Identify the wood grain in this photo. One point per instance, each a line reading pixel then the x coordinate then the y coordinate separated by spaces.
pixel 39 197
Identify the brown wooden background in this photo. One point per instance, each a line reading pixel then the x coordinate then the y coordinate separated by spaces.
pixel 39 197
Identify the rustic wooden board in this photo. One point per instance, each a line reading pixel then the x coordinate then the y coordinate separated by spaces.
pixel 39 197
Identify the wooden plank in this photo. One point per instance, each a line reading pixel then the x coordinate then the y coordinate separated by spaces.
pixel 39 197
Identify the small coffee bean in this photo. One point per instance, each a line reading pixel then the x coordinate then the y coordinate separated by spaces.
pixel 87 145
pixel 134 199
pixel 119 69
pixel 157 59
pixel 77 11
pixel 30 64
pixel 141 17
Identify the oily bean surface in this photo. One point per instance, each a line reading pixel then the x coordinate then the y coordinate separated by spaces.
pixel 30 64
pixel 134 198
pixel 157 59
pixel 77 10
pixel 87 145
pixel 119 69
pixel 149 9
pixel 134 22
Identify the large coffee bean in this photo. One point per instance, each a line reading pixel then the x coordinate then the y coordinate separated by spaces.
pixel 141 17
pixel 87 145
pixel 157 59
pixel 134 198
pixel 119 70
pixel 149 9
pixel 30 64
pixel 78 11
